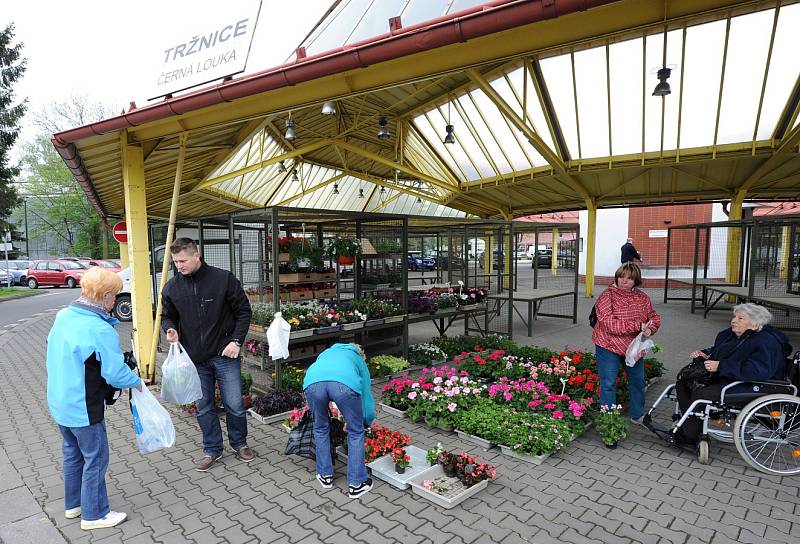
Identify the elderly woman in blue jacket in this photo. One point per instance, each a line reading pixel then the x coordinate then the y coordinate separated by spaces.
pixel 749 350
pixel 340 375
pixel 83 359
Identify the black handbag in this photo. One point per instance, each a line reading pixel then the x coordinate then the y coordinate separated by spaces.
pixel 301 438
pixel 695 374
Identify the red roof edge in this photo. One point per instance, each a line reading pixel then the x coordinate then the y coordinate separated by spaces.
pixel 71 157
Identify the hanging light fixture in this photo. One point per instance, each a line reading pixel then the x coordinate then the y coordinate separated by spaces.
pixel 290 134
pixel 281 167
pixel 383 129
pixel 361 193
pixel 336 188
pixel 449 137
pixel 419 200
pixel 329 108
pixel 662 89
pixel 294 175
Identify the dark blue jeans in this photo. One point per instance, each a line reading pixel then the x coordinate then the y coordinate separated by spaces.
pixel 348 401
pixel 228 373
pixel 608 364
pixel 85 452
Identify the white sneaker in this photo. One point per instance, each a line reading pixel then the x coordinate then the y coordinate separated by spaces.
pixel 109 520
pixel 72 513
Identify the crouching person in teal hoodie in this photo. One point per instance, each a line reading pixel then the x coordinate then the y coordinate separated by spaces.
pixel 83 359
pixel 340 375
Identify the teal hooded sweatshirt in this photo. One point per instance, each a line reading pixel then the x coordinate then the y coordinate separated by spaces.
pixel 343 363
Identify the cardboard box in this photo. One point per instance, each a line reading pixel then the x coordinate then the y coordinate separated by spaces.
pixel 325 293
pixel 301 295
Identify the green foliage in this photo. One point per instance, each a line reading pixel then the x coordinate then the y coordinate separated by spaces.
pixel 486 419
pixel 339 246
pixel 612 425
pixel 247 382
pixel 12 68
pixel 387 246
pixel 291 377
pixel 386 365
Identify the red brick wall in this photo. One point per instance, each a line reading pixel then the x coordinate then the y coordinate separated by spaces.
pixel 653 250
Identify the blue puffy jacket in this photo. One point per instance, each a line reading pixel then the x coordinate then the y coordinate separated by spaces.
pixel 755 355
pixel 83 357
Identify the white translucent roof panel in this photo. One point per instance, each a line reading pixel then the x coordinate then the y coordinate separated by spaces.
pixel 417 11
pixel 458 5
pixel 558 77
pixel 783 69
pixel 592 92
pixel 653 105
pixel 432 127
pixel 702 70
pixel 376 20
pixel 626 97
pixel 533 107
pixel 466 139
pixel 334 31
pixel 498 156
pixel 748 44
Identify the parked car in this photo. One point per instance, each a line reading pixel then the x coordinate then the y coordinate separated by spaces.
pixel 542 259
pixel 417 262
pixel 55 273
pixel 104 263
pixel 18 270
pixel 6 279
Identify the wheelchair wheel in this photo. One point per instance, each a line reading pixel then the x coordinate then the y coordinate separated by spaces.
pixel 702 452
pixel 767 434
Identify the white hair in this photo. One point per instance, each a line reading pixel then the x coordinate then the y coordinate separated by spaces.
pixel 758 315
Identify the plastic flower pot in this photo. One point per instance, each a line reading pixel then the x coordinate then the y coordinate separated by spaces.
pixel 346 260
pixel 399 468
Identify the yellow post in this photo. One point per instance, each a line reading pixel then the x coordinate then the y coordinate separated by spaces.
pixel 173 213
pixel 734 240
pixel 591 234
pixel 133 185
pixel 554 253
pixel 123 256
pixel 786 248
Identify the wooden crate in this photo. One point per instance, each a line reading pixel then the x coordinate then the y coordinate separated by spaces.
pixel 301 295
pixel 325 293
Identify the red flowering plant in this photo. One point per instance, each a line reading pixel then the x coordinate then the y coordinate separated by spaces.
pixel 380 441
pixel 480 365
pixel 395 393
pixel 296 415
pixel 400 457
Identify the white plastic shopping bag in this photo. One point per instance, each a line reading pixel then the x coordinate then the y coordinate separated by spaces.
pixel 640 347
pixel 151 421
pixel 180 382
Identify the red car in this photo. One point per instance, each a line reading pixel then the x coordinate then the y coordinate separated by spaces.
pixel 107 264
pixel 55 273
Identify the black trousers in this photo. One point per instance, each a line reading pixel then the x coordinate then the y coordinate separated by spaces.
pixel 686 396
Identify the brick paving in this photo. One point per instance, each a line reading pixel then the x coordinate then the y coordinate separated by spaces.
pixel 640 492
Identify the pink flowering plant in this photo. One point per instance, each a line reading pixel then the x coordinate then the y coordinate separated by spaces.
pixel 396 393
pixel 439 393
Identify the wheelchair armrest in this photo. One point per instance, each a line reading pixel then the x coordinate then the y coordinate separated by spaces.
pixel 780 383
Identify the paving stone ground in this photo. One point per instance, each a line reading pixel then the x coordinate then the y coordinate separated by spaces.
pixel 640 492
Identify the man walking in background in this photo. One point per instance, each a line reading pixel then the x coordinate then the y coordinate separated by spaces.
pixel 206 310
pixel 629 253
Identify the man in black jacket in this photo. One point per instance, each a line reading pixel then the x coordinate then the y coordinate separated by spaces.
pixel 629 253
pixel 206 309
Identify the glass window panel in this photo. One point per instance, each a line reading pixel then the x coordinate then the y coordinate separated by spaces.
pixel 783 69
pixel 590 75
pixel 534 107
pixel 744 72
pixel 458 5
pixel 453 155
pixel 655 60
pixel 510 142
pixel 376 20
pixel 340 27
pixel 702 70
pixel 626 97
pixel 558 76
pixel 485 134
pixel 466 140
pixel 417 11
pixel 323 25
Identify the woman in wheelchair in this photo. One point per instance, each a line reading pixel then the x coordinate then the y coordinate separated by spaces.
pixel 750 350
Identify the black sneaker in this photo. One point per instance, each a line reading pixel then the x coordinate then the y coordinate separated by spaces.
pixel 325 481
pixel 357 490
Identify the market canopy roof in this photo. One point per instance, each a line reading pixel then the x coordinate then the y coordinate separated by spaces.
pixel 550 100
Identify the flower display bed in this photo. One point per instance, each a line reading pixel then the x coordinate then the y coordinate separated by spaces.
pixel 301 334
pixel 326 330
pixel 383 468
pixel 456 491
pixel 393 319
pixel 533 459
pixel 477 440
pixel 393 411
pixel 269 419
pixel 352 326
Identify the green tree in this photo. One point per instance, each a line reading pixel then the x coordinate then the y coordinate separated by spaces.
pixel 12 66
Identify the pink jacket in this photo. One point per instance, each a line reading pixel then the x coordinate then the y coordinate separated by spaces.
pixel 620 315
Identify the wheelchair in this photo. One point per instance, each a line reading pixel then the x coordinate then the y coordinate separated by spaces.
pixel 763 422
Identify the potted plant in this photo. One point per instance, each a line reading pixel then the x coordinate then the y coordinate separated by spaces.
pixel 275 405
pixel 432 455
pixel 385 365
pixel 612 425
pixel 448 462
pixel 301 252
pixel 343 250
pixel 401 460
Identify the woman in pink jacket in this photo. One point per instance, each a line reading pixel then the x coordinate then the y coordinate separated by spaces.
pixel 623 311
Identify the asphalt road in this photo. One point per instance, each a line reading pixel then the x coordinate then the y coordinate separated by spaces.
pixel 13 312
